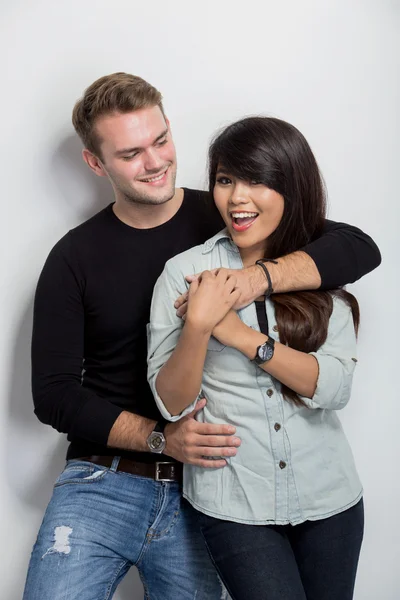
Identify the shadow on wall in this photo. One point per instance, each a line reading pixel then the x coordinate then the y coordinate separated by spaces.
pixel 36 452
pixel 84 192
pixel 36 455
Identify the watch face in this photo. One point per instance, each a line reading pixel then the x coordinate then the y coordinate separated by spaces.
pixel 265 352
pixel 156 442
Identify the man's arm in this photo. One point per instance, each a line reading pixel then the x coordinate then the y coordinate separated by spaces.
pixel 193 442
pixel 57 362
pixel 62 402
pixel 187 440
pixel 341 255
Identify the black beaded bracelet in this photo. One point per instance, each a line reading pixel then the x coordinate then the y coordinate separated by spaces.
pixel 261 264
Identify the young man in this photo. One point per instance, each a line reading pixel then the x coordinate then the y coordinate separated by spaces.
pixel 118 501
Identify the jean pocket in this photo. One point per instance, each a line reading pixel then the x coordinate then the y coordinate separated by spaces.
pixel 81 473
pixel 214 345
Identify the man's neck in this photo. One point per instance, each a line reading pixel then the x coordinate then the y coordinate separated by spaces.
pixel 147 216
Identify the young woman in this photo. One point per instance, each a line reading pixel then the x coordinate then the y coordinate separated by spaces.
pixel 284 518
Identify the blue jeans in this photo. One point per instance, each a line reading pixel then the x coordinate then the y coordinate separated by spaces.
pixel 100 522
pixel 316 560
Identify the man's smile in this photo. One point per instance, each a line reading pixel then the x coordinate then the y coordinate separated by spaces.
pixel 156 179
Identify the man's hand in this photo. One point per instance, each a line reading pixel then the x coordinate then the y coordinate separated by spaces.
pixel 189 441
pixel 292 273
pixel 250 282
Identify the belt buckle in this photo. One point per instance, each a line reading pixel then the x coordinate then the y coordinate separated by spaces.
pixel 157 475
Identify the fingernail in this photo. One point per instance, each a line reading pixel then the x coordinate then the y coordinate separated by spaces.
pixel 231 429
pixel 236 440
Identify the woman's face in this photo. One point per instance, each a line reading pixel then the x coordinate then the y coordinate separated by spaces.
pixel 251 211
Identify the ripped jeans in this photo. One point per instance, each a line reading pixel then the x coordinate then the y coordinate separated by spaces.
pixel 100 522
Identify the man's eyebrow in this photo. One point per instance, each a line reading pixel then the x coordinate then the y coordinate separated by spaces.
pixel 163 134
pixel 132 150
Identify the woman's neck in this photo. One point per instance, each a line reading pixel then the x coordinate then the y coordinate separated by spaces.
pixel 250 255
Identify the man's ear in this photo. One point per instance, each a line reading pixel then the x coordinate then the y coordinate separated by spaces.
pixel 93 162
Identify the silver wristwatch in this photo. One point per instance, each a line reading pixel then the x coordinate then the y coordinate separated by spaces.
pixel 156 440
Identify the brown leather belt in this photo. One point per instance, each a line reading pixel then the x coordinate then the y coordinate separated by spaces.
pixel 159 471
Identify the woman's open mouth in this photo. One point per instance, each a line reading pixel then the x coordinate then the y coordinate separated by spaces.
pixel 242 220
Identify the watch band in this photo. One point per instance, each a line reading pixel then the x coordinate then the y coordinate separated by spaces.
pixel 156 441
pixel 270 342
pixel 160 425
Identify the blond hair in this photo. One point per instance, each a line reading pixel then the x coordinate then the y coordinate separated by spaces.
pixel 119 92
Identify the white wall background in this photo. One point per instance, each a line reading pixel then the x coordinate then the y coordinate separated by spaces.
pixel 331 67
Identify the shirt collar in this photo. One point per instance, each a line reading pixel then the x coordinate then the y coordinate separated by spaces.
pixel 222 237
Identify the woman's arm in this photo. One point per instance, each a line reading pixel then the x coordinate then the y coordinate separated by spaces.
pixel 163 332
pixel 323 378
pixel 176 355
pixel 178 382
pixel 297 370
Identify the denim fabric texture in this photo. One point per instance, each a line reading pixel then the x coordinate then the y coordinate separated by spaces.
pixel 100 522
pixel 316 560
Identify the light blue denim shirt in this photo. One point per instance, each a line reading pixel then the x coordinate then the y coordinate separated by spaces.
pixel 294 463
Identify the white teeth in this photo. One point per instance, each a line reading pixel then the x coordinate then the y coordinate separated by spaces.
pixel 154 178
pixel 242 215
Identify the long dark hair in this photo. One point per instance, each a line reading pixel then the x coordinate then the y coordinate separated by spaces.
pixel 276 154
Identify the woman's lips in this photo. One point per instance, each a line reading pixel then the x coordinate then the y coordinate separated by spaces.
pixel 243 223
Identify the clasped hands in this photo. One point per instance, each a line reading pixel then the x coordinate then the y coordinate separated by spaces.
pixel 243 285
pixel 211 302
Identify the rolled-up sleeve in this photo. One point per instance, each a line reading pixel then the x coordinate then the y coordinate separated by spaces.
pixel 164 330
pixel 337 359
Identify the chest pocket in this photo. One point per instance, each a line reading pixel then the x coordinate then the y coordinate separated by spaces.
pixel 214 345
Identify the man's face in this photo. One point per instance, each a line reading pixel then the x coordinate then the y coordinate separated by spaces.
pixel 138 155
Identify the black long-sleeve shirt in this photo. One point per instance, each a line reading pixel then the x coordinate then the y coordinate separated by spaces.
pixel 92 305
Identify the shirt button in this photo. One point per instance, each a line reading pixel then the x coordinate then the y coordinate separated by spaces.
pixel 275 328
pixel 270 392
pixel 282 464
pixel 277 426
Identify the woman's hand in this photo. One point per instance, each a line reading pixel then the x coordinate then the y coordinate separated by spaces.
pixel 251 282
pixel 211 297
pixel 228 330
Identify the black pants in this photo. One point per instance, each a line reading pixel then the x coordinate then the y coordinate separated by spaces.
pixel 316 560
